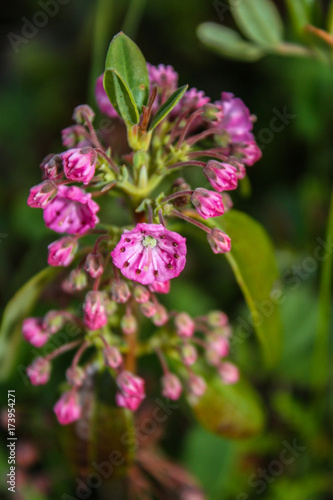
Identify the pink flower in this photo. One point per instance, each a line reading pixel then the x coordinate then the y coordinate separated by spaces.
pixel 94 311
pixel 41 195
pixel 149 253
pixel 219 241
pixel 171 386
pixel 236 117
pixel 132 390
pixel 102 99
pixel 94 265
pixel 71 211
pixel 249 151
pixel 207 203
pixel 158 287
pixel 68 408
pixel 164 77
pixel 62 252
pixel 52 167
pixel 39 371
pixel 34 331
pixel 79 164
pixel 185 326
pixel 219 344
pixel 222 176
pixel 229 373
pixel 193 99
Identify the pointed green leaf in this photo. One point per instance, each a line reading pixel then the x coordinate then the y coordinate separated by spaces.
pixel 17 309
pixel 299 12
pixel 253 263
pixel 126 80
pixel 227 42
pixel 168 106
pixel 232 411
pixel 259 20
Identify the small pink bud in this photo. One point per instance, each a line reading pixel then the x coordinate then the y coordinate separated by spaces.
pixel 54 321
pixel 207 203
pixel 188 354
pixel 219 241
pixel 185 326
pixel 110 306
pixel 33 330
pixel 68 408
pixel 161 316
pixel 148 309
pixel 75 375
pixel 41 195
pixel 72 136
pixel 82 112
pixel 141 294
pixel 158 287
pixel 94 265
pixel 52 167
pixel 219 344
pixel 62 252
pixel 77 280
pixel 132 390
pixel 217 319
pixel 196 385
pixel 229 373
pixel 222 176
pixel 227 202
pixel 79 164
pixel 94 311
pixel 130 402
pixel 120 291
pixel 39 371
pixel 129 324
pixel 112 356
pixel 171 386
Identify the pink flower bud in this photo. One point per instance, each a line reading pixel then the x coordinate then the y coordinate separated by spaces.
pixel 94 311
pixel 141 294
pixel 158 287
pixel 54 321
pixel 227 202
pixel 110 306
pixel 62 252
pixel 161 316
pixel 52 167
pixel 112 356
pixel 207 203
pixel 171 386
pixel 249 151
pixel 185 326
pixel 132 390
pixel 68 408
pixel 71 211
pixel 72 136
pixel 219 241
pixel 81 112
pixel 41 195
pixel 217 319
pixel 94 265
pixel 129 324
pixel 222 176
pixel 188 354
pixel 148 309
pixel 229 373
pixel 150 253
pixel 219 344
pixel 75 376
pixel 39 371
pixel 79 164
pixel 33 330
pixel 77 280
pixel 120 291
pixel 196 385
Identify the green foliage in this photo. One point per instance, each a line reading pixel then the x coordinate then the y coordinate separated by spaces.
pixel 126 79
pixel 168 106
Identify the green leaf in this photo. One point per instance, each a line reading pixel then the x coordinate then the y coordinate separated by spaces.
pixel 300 13
pixel 168 106
pixel 330 19
pixel 227 42
pixel 17 309
pixel 253 262
pixel 126 80
pixel 232 411
pixel 259 20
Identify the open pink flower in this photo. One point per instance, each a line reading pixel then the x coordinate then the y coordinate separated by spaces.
pixel 79 164
pixel 236 117
pixel 149 253
pixel 207 203
pixel 68 408
pixel 71 211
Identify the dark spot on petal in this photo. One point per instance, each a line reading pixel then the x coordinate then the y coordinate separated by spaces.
pixel 126 264
pixel 138 271
pixel 57 212
pixel 169 266
pixel 162 237
pixel 175 244
pixel 122 249
pixel 176 256
pixel 127 240
pixel 156 273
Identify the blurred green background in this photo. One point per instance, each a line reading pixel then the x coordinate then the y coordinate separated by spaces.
pixel 42 79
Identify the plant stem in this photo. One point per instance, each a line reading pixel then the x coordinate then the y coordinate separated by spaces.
pixel 176 213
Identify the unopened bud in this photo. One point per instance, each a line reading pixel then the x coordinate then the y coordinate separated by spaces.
pixel 52 167
pixel 148 309
pixel 219 241
pixel 54 321
pixel 141 294
pixel 77 280
pixel 42 194
pixel 82 112
pixel 188 354
pixel 75 375
pixel 39 371
pixel 171 386
pixel 161 316
pixel 112 356
pixel 94 265
pixel 229 373
pixel 216 319
pixel 120 291
pixel 129 324
pixel 196 385
pixel 160 287
pixel 185 326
